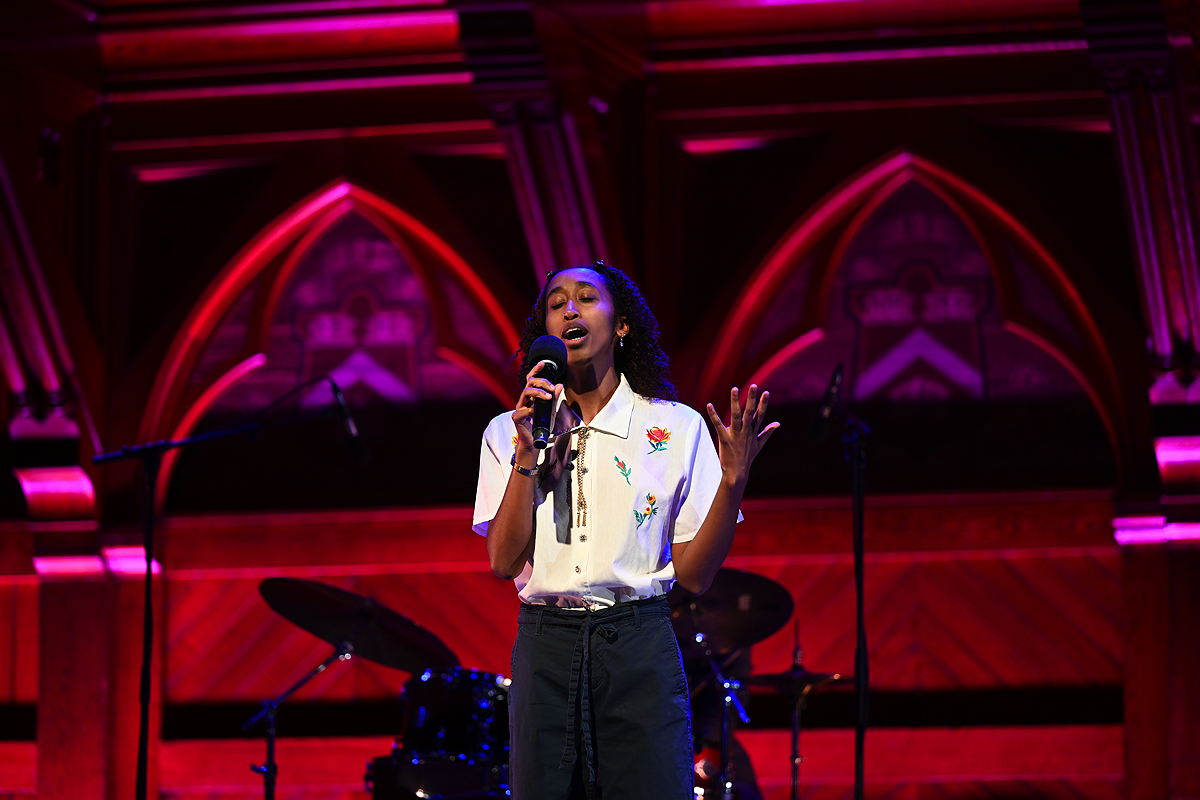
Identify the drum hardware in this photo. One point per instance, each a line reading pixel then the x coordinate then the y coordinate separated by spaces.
pixel 795 682
pixel 377 632
pixel 269 769
pixel 454 742
pixel 356 626
pixel 738 610
pixel 729 687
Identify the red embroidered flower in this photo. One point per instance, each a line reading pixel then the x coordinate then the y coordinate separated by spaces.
pixel 658 438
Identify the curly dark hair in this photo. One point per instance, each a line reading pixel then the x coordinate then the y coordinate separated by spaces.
pixel 640 359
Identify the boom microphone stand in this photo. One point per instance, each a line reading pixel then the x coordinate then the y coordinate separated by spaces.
pixel 270 709
pixel 150 454
pixel 855 433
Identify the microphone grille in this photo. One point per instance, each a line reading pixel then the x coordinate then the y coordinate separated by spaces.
pixel 549 348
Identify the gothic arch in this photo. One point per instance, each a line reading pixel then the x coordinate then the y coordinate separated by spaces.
pixel 176 405
pixel 818 242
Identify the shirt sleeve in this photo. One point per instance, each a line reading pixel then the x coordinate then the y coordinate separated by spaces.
pixel 703 477
pixel 493 478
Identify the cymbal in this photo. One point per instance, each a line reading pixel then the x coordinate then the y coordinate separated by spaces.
pixel 739 609
pixel 376 632
pixel 795 681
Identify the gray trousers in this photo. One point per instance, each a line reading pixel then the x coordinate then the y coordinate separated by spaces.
pixel 598 707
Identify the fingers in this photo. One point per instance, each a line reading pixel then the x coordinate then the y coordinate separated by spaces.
pixel 530 394
pixel 750 412
pixel 751 417
pixel 760 413
pixel 537 388
pixel 714 418
pixel 765 436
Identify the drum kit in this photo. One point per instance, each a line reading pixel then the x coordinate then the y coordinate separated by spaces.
pixel 454 729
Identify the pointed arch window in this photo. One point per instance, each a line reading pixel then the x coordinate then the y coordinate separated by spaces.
pixel 948 315
pixel 348 285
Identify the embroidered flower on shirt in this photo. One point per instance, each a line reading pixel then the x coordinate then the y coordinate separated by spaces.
pixel 649 511
pixel 624 470
pixel 658 438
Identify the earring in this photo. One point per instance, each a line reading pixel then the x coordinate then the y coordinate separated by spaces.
pixel 622 344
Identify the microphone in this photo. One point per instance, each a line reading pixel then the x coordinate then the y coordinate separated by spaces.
pixel 358 445
pixel 830 403
pixel 551 351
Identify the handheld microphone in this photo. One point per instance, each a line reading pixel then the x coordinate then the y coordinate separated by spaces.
pixel 829 404
pixel 358 445
pixel 550 350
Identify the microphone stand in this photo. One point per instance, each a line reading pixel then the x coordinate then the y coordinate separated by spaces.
pixel 270 709
pixel 854 439
pixel 150 455
pixel 855 433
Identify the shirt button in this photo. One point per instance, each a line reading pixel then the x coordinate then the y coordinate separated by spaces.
pixel 578 570
pixel 583 537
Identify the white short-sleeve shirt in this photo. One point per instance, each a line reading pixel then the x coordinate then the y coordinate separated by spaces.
pixel 648 475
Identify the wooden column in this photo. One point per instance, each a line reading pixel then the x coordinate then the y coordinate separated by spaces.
pixel 125 663
pixel 1129 46
pixel 1145 575
pixel 549 166
pixel 73 689
pixel 1183 654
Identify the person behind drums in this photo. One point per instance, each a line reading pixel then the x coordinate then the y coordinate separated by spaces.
pixel 633 500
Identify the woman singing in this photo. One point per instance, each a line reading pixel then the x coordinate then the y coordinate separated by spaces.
pixel 631 501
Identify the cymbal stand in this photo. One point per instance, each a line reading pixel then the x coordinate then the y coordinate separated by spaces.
pixel 729 686
pixel 270 708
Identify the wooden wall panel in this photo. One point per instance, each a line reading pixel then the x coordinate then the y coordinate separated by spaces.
pixel 309 769
pixel 1067 762
pixel 18 639
pixel 225 644
pixel 946 621
pixel 969 617
pixel 18 770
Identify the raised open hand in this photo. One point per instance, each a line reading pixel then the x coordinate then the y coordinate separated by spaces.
pixel 740 443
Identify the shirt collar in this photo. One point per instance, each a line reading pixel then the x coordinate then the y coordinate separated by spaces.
pixel 617 413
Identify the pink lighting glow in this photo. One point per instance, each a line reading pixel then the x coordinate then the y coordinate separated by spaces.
pixel 856 56
pixel 1178 459
pixel 1177 450
pixel 57 492
pixel 128 560
pixel 293 87
pixel 1153 530
pixel 698 147
pixel 68 565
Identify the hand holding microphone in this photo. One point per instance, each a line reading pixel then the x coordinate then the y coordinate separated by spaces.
pixel 543 385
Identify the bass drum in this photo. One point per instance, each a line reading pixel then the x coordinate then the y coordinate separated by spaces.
pixel 454 742
pixel 458 715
